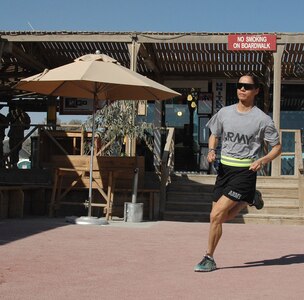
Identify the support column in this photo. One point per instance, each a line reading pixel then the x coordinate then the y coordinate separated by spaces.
pixel 266 87
pixel 52 111
pixel 277 72
pixel 133 50
pixel 157 135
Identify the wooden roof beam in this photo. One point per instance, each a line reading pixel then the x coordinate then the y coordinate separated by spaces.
pixel 27 60
pixel 142 37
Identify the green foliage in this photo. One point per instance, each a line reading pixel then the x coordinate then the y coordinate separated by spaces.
pixel 116 121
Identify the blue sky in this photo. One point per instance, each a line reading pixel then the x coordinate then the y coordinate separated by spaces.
pixel 152 15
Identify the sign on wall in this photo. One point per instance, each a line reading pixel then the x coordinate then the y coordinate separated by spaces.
pixel 219 92
pixel 250 42
pixel 75 106
pixel 142 108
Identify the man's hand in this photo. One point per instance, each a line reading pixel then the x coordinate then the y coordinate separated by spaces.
pixel 274 152
pixel 211 157
pixel 256 165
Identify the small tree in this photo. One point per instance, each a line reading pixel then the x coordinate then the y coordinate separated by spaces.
pixel 114 123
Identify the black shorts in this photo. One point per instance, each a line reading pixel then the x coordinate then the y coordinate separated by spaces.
pixel 236 183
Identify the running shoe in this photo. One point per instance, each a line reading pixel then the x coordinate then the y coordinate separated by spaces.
pixel 258 201
pixel 207 264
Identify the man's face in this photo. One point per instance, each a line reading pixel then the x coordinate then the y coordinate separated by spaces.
pixel 246 90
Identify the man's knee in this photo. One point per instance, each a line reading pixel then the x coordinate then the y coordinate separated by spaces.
pixel 220 210
pixel 217 216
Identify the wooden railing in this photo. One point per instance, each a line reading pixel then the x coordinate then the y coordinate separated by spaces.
pixel 167 167
pixel 296 158
pixel 48 130
pixel 299 170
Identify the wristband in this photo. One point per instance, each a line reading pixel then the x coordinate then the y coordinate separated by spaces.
pixel 211 149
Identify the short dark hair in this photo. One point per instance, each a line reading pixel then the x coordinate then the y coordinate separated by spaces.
pixel 255 79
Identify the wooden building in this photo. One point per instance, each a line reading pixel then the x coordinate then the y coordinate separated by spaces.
pixel 202 62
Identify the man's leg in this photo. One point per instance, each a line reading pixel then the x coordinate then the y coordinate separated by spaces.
pixel 14 156
pixel 235 210
pixel 219 214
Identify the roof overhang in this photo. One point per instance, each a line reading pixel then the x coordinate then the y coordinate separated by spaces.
pixel 162 56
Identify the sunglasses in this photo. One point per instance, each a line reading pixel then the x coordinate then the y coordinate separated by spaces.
pixel 246 86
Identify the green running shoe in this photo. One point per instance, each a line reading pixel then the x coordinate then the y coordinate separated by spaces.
pixel 206 265
pixel 258 201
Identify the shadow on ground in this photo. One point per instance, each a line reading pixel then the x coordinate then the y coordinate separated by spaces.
pixel 283 260
pixel 16 229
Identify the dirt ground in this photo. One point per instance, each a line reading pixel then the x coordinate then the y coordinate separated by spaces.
pixel 43 258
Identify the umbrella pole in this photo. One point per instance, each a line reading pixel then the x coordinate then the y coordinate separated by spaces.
pixel 89 220
pixel 91 163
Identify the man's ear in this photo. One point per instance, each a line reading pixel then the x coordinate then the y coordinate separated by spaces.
pixel 257 91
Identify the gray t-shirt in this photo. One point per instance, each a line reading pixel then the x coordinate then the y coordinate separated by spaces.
pixel 243 133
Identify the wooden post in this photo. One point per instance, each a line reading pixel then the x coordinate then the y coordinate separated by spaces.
pixel 51 111
pixel 3 204
pixel 275 169
pixel 133 50
pixel 301 195
pixel 16 203
pixel 299 170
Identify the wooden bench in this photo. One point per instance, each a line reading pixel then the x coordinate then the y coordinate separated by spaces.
pixel 110 175
pixel 13 199
pixel 11 202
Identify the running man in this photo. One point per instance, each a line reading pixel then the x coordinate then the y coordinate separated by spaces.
pixel 242 128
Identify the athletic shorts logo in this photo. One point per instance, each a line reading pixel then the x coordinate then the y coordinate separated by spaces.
pixel 235 195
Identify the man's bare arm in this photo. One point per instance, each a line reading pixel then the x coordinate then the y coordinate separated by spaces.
pixel 271 155
pixel 212 144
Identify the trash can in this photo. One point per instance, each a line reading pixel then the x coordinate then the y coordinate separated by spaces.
pixel 133 212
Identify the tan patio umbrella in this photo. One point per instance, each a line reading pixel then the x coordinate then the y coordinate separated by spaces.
pixel 96 77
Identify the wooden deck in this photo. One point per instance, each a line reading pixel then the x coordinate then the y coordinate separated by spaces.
pixel 64 190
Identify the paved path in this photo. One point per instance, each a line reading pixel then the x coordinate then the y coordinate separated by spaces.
pixel 51 259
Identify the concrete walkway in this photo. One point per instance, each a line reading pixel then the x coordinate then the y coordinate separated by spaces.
pixel 50 259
